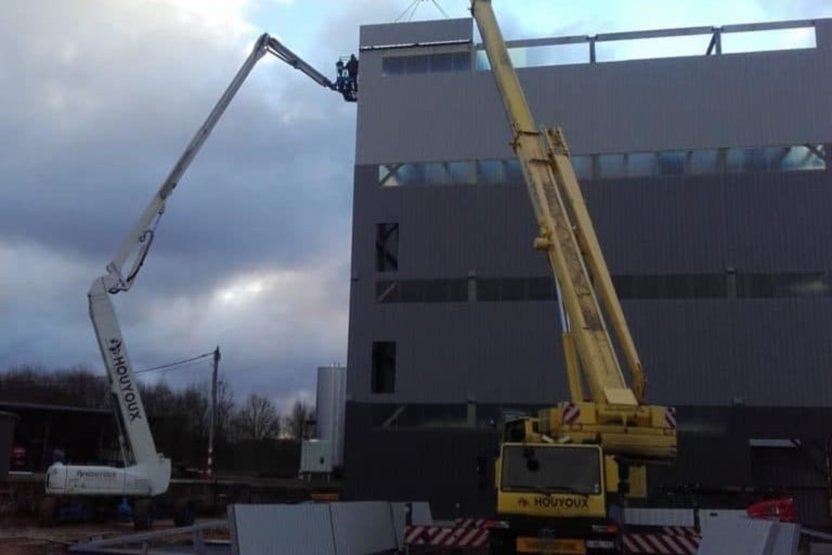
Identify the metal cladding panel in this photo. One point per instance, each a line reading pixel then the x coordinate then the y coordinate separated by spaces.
pixel 782 349
pixel 660 225
pixel 779 221
pixel 695 351
pixel 627 106
pixel 767 352
pixel 286 529
pixel 448 482
pixel 361 528
pixel 649 225
pixel 703 352
pixel 755 222
pixel 415 32
pixel 456 230
pixel 330 400
pixel 449 353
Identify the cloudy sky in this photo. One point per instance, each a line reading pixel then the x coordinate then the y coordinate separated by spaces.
pixel 99 98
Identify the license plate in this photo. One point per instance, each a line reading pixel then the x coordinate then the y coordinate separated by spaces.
pixel 547 545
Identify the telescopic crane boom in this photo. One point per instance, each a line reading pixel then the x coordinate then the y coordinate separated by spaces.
pixel 147 472
pixel 611 410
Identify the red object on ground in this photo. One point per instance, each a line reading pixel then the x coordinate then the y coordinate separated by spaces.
pixel 781 510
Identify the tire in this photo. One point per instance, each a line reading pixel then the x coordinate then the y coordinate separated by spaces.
pixel 47 509
pixel 499 544
pixel 142 514
pixel 184 512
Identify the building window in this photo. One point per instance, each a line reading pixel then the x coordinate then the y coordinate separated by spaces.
pixel 422 291
pixel 384 367
pixel 387 247
pixel 641 164
pixel 671 163
pixel 443 62
pixel 704 161
pixel 394 65
pixel 440 63
pixel 489 171
pixel 582 166
pixel 613 165
pixel 808 284
pixel 728 285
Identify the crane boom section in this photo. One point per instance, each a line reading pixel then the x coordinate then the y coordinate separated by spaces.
pixel 566 232
pixel 141 235
pixel 123 387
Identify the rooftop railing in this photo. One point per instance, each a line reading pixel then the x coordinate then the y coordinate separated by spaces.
pixel 662 43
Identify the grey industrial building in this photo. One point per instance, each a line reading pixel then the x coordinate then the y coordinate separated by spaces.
pixel 708 182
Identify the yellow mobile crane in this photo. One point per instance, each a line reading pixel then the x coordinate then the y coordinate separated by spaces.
pixel 558 474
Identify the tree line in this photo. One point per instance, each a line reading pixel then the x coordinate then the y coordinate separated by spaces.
pixel 179 418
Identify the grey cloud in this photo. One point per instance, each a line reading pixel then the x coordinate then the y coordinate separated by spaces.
pixel 128 109
pixel 99 103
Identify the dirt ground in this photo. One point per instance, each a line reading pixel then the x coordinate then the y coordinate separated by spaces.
pixel 22 536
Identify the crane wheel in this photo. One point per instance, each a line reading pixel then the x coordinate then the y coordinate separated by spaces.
pixel 46 511
pixel 142 514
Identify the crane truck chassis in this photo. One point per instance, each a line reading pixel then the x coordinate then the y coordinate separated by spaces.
pixel 146 472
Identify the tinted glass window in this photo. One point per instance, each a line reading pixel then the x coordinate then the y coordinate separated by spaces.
pixel 383 375
pixel 417 64
pixel 441 62
pixel 704 161
pixel 641 164
pixel 462 61
pixel 551 468
pixel 394 65
pixel 671 163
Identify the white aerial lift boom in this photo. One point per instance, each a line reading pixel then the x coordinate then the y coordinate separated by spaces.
pixel 146 472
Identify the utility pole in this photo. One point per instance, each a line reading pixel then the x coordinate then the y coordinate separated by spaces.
pixel 210 471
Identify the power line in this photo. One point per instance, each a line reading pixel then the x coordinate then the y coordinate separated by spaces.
pixel 172 364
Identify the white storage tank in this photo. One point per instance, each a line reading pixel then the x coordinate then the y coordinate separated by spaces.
pixel 330 407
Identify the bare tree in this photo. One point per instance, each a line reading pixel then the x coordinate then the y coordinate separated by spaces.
pixel 194 404
pixel 257 419
pixel 77 386
pixel 296 425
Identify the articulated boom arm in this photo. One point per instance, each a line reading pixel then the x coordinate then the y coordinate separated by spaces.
pixel 568 238
pixel 148 472
pixel 141 236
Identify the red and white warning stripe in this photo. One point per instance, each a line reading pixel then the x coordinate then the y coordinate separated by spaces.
pixel 670 418
pixel 571 413
pixel 473 523
pixel 664 544
pixel 679 531
pixel 446 536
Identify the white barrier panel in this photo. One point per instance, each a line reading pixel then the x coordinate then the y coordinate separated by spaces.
pixel 742 536
pixel 354 528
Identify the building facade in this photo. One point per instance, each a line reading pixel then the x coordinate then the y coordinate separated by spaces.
pixel 707 179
